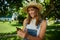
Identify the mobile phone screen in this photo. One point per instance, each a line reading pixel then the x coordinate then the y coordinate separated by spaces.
pixel 18 28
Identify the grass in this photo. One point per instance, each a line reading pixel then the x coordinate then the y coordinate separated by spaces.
pixel 53 34
pixel 7 27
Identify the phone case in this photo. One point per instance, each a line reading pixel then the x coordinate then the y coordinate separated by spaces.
pixel 18 28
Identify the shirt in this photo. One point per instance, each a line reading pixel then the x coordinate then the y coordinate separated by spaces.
pixel 32 29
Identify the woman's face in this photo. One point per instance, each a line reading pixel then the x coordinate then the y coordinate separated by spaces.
pixel 32 12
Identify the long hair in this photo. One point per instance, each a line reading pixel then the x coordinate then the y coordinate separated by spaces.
pixel 38 18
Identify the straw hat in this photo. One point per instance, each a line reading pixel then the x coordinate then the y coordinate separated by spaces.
pixel 38 5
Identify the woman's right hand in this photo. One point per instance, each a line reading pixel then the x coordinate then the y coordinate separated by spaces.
pixel 21 33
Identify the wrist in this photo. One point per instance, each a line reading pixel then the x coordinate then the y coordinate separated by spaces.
pixel 26 35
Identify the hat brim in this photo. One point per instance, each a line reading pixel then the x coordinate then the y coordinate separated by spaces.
pixel 39 6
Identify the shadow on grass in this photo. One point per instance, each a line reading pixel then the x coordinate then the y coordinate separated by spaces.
pixel 9 36
pixel 53 32
pixel 50 35
pixel 57 22
pixel 16 24
pixel 53 35
pixel 53 27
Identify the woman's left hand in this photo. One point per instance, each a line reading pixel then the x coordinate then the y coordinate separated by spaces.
pixel 21 33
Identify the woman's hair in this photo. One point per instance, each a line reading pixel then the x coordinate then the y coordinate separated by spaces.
pixel 38 18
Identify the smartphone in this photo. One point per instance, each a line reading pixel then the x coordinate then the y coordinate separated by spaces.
pixel 18 28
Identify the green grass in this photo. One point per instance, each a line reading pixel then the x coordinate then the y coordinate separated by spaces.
pixel 53 35
pixel 7 27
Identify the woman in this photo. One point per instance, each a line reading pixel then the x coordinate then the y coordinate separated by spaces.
pixel 34 26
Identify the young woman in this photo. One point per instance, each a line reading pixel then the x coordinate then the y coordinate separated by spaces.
pixel 34 26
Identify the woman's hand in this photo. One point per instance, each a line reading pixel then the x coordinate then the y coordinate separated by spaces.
pixel 21 33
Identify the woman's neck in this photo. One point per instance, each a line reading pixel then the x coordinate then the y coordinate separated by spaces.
pixel 34 17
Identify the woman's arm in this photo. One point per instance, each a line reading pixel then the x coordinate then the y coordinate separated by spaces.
pixel 24 25
pixel 43 29
pixel 41 34
pixel 22 33
pixel 29 37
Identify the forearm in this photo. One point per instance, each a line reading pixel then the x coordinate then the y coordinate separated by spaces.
pixel 33 38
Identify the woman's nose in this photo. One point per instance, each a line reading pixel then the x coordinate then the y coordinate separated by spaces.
pixel 30 12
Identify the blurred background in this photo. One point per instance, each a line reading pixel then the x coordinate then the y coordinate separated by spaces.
pixel 12 16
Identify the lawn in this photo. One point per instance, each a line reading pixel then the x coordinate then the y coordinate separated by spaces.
pixel 53 32
pixel 7 27
pixel 8 30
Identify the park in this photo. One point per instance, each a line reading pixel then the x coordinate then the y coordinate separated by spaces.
pixel 12 16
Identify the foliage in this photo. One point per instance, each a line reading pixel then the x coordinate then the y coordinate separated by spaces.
pixel 52 10
pixel 6 6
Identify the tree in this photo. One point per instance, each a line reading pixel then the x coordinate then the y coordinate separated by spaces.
pixel 52 10
pixel 5 4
